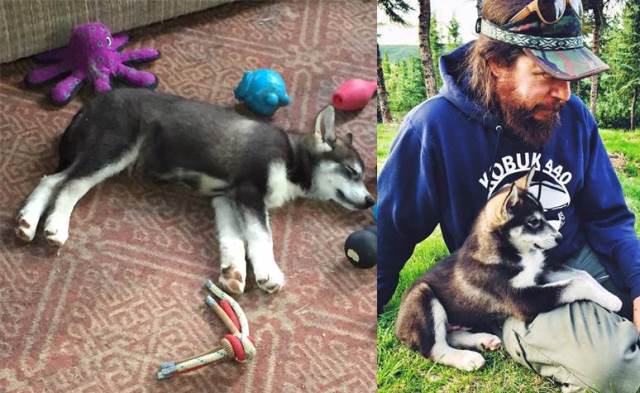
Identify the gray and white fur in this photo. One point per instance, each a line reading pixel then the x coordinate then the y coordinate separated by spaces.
pixel 245 165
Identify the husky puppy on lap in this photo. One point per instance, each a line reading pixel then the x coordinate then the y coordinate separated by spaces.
pixel 500 271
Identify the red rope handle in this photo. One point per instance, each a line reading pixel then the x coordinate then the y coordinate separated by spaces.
pixel 236 345
pixel 230 313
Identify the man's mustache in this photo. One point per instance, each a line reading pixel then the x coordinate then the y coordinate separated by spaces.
pixel 556 106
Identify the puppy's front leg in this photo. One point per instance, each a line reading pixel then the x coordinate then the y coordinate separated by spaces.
pixel 36 204
pixel 233 265
pixel 584 287
pixel 269 277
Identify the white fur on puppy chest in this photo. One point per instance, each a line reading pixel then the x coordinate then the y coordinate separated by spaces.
pixel 533 263
pixel 279 188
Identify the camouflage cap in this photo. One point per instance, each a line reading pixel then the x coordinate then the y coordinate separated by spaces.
pixel 558 48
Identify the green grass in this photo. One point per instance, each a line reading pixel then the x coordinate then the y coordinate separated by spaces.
pixel 386 133
pixel 627 144
pixel 401 370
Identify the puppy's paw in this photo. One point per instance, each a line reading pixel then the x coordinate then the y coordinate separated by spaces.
pixel 56 231
pixel 56 237
pixel 489 342
pixel 612 303
pixel 465 360
pixel 603 297
pixel 25 227
pixel 232 280
pixel 472 361
pixel 270 280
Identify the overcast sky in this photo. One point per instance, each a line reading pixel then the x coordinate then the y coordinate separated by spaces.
pixel 395 34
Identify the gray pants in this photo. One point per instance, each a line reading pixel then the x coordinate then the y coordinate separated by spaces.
pixel 580 345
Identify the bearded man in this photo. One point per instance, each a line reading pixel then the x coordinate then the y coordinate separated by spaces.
pixel 506 106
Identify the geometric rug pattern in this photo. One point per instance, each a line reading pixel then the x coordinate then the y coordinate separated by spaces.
pixel 125 292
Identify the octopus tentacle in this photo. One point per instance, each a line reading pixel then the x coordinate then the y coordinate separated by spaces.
pixel 119 40
pixel 64 91
pixel 141 55
pixel 44 74
pixel 135 77
pixel 102 83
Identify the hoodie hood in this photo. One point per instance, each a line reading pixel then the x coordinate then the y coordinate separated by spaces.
pixel 455 87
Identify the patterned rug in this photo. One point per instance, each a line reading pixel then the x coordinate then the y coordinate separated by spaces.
pixel 125 292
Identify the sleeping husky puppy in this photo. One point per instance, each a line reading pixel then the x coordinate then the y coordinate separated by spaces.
pixel 245 165
pixel 499 271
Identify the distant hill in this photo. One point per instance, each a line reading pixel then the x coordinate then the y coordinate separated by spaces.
pixel 400 52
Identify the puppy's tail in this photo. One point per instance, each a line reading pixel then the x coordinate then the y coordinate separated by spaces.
pixel 416 322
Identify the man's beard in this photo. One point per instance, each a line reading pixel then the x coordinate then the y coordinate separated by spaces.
pixel 518 117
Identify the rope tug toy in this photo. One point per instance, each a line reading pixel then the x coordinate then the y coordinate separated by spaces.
pixel 237 345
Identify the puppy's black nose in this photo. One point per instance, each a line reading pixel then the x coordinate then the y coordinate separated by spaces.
pixel 369 201
pixel 558 237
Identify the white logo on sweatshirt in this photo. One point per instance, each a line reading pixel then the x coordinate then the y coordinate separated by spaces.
pixel 548 184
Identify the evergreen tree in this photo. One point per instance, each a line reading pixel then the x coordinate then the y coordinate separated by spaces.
pixel 599 25
pixel 623 56
pixel 386 66
pixel 395 9
pixel 400 84
pixel 415 89
pixel 382 100
pixel 598 10
pixel 437 49
pixel 453 35
pixel 424 35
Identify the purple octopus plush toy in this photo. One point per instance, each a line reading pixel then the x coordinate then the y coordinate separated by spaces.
pixel 92 54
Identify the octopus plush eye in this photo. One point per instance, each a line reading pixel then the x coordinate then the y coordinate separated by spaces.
pixel 109 41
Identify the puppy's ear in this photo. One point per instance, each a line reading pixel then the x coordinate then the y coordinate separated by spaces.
pixel 511 199
pixel 525 181
pixel 325 126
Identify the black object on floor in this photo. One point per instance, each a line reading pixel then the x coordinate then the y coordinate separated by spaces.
pixel 361 247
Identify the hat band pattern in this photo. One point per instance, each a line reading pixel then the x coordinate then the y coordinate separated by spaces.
pixel 530 41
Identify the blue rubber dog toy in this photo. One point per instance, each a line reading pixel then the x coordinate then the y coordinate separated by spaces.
pixel 263 91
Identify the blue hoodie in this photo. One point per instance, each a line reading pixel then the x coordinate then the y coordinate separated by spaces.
pixel 450 156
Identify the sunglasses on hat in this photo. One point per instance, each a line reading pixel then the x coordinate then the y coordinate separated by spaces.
pixel 549 11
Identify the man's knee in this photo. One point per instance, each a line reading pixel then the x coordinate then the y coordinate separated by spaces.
pixel 618 368
pixel 579 345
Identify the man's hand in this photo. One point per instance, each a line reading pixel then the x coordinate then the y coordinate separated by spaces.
pixel 636 312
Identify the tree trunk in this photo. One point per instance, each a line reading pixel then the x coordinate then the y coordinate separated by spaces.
pixel 597 34
pixel 383 100
pixel 634 101
pixel 424 21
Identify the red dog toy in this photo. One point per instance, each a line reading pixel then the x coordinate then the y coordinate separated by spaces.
pixel 354 94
